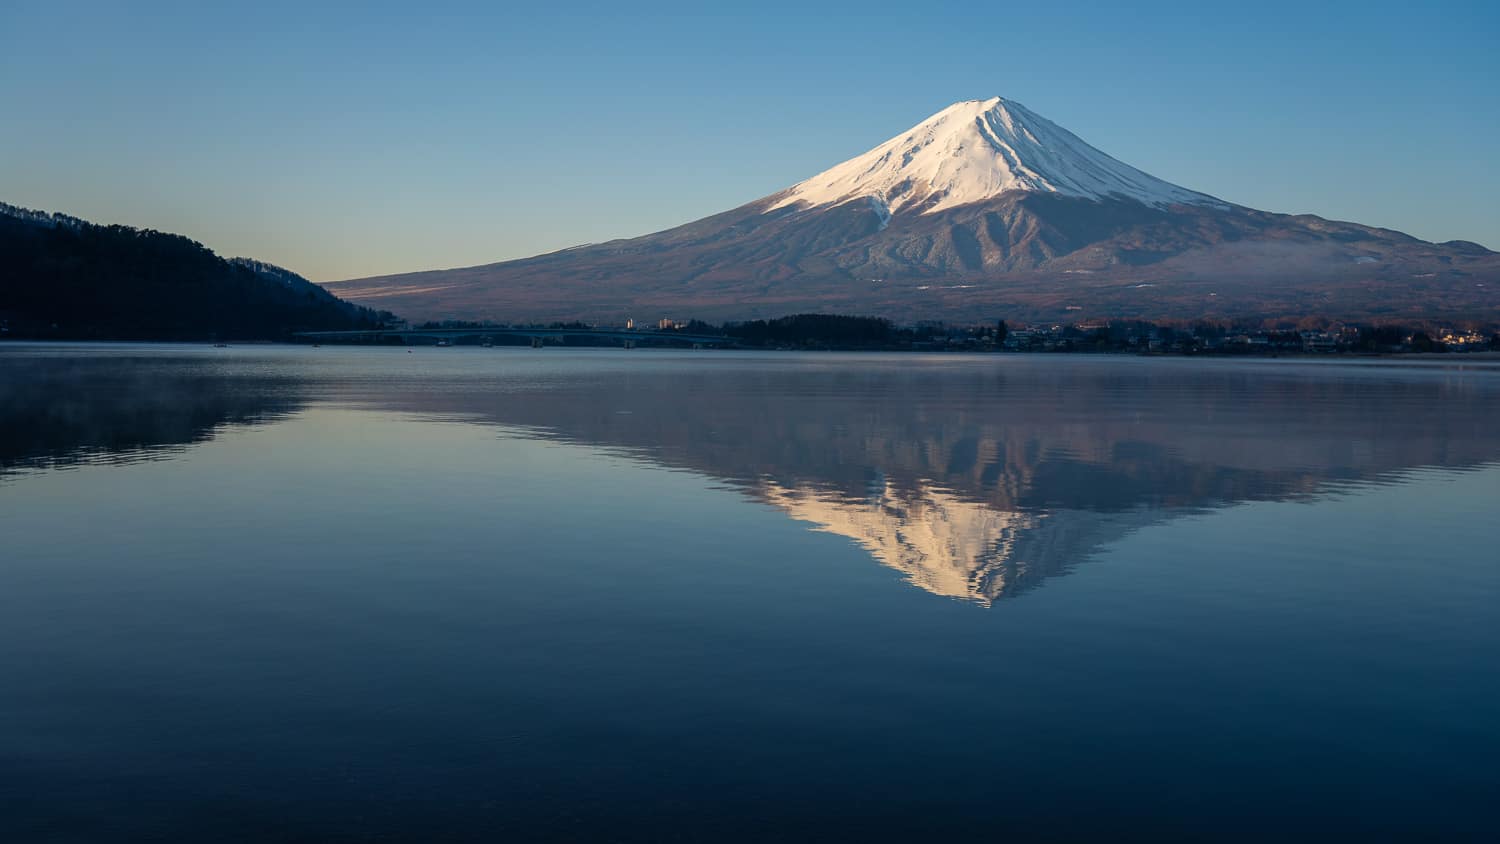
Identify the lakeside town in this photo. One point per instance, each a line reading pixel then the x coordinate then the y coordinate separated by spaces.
pixel 834 332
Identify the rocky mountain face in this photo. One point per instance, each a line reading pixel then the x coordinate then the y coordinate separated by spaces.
pixel 984 210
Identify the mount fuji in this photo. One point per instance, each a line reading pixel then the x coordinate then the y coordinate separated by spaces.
pixel 985 209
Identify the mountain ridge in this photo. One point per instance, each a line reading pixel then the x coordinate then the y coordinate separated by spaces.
pixel 62 277
pixel 983 210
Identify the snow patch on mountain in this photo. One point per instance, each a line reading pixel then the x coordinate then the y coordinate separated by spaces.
pixel 974 151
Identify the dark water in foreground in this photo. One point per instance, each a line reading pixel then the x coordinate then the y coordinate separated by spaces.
pixel 280 594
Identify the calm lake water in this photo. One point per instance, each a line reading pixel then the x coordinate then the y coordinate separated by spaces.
pixel 295 594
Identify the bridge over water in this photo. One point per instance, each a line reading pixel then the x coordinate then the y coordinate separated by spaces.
pixel 538 336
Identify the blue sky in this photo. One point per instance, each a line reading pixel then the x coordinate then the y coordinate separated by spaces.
pixel 350 140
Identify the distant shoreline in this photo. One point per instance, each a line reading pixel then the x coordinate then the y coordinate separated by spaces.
pixel 1456 356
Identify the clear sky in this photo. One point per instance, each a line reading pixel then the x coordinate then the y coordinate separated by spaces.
pixel 368 138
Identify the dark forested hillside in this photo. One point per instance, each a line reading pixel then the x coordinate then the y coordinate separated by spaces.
pixel 65 278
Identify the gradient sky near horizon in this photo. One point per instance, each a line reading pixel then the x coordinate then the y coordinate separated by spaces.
pixel 344 140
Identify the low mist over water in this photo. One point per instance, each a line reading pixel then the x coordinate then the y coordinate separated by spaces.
pixel 278 593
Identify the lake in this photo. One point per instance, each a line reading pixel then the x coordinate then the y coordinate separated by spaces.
pixel 462 594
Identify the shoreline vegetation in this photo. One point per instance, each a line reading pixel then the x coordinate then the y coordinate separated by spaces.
pixel 827 332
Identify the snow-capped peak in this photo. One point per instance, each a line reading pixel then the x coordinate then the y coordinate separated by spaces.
pixel 978 149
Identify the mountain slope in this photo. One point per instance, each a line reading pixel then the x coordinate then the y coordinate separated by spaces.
pixel 985 209
pixel 62 277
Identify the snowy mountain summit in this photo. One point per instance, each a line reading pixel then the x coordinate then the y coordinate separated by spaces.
pixel 976 150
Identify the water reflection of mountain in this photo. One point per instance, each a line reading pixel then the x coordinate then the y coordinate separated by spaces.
pixel 973 478
pixel 958 548
pixel 980 480
pixel 58 411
